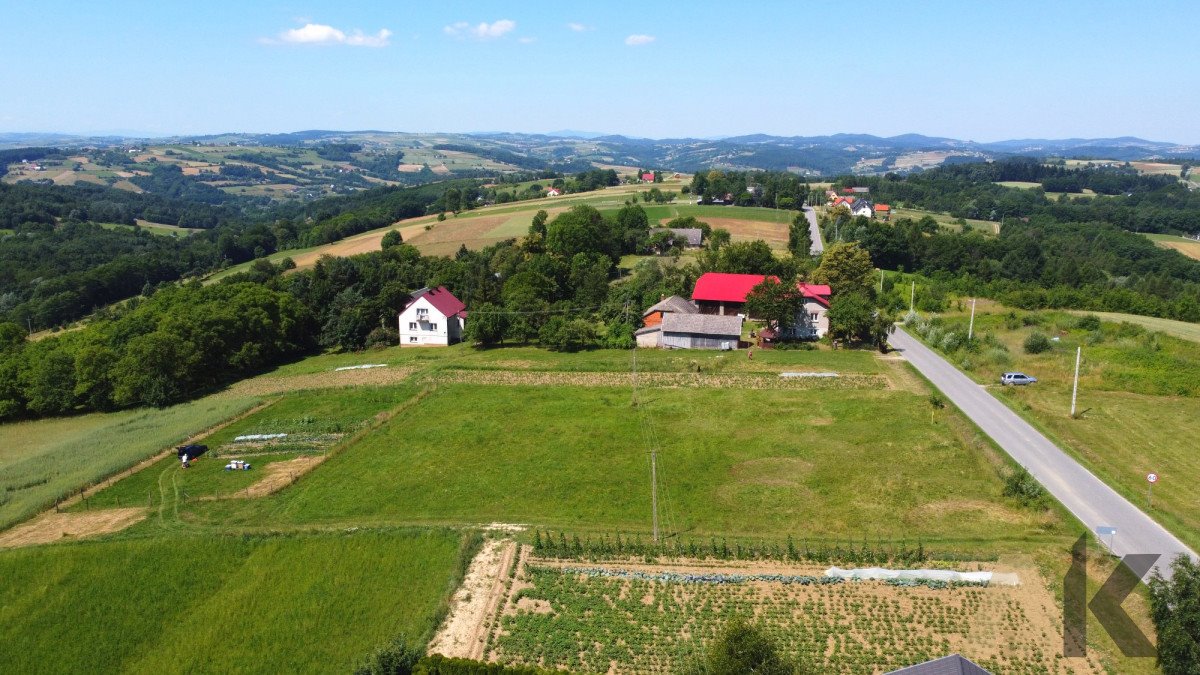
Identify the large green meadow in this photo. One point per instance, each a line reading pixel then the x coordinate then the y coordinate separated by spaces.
pixel 439 442
pixel 301 603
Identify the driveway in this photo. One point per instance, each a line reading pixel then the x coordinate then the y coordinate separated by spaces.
pixel 813 230
pixel 1093 503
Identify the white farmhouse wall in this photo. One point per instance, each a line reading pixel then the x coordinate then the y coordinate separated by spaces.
pixel 422 325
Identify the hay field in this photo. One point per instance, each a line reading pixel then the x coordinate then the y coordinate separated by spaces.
pixel 1188 247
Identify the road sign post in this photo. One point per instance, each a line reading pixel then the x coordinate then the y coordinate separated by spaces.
pixel 1151 479
pixel 1110 531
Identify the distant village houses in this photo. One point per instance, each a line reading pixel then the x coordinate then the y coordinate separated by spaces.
pixel 432 317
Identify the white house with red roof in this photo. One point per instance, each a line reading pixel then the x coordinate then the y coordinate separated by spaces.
pixel 553 192
pixel 725 294
pixel 432 317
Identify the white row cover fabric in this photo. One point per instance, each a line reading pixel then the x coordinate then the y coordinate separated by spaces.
pixel 258 437
pixel 879 573
pixel 362 367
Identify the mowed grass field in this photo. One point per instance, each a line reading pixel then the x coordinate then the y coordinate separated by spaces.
pixel 49 459
pixel 945 220
pixel 302 603
pixel 1140 396
pixel 754 463
pixel 1188 247
pixel 491 224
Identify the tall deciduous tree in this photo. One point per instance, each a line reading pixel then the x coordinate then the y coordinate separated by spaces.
pixel 1175 609
pixel 580 230
pixel 776 303
pixel 847 269
pixel 487 324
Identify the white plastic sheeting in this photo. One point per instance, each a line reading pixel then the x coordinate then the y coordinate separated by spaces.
pixel 808 374
pixel 880 573
pixel 362 367
pixel 258 437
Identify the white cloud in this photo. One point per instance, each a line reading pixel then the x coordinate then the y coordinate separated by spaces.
pixel 637 40
pixel 526 40
pixel 321 34
pixel 483 31
pixel 577 27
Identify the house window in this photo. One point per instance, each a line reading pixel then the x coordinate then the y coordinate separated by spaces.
pixel 413 338
pixel 433 326
pixel 412 325
pixel 422 314
pixel 813 317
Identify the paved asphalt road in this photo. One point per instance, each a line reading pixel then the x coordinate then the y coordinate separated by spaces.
pixel 1092 502
pixel 817 246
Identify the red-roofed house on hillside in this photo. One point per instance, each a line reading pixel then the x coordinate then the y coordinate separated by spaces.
pixel 721 293
pixel 883 211
pixel 432 317
pixel 648 177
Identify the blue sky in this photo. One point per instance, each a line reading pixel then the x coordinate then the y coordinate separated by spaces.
pixel 982 71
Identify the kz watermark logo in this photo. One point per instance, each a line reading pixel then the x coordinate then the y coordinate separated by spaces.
pixel 1105 605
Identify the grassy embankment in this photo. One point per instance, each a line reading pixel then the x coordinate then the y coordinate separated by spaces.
pixel 1139 397
pixel 220 604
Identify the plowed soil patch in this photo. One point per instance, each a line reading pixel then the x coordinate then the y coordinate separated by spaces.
pixel 51 527
pixel 279 475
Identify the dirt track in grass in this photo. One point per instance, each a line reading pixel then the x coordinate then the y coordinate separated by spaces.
pixel 51 526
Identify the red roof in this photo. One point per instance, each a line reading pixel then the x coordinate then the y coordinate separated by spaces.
pixel 818 292
pixel 882 207
pixel 647 176
pixel 441 299
pixel 847 190
pixel 722 287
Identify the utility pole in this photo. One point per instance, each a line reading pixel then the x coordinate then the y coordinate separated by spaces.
pixel 971 328
pixel 654 489
pixel 1075 387
pixel 912 296
pixel 880 279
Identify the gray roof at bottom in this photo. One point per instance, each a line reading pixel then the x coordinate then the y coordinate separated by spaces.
pixel 672 304
pixel 947 665
pixel 702 324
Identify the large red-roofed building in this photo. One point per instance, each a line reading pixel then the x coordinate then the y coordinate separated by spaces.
pixel 723 293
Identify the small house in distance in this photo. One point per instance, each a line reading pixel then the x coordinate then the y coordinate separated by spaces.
pixel 432 317
pixel 862 207
pixel 693 235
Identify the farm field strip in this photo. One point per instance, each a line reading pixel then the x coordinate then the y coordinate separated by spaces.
pixel 49 460
pixel 653 379
pixel 556 616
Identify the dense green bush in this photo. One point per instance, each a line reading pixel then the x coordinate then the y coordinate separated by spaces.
pixel 1088 322
pixel 1022 486
pixel 1037 342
